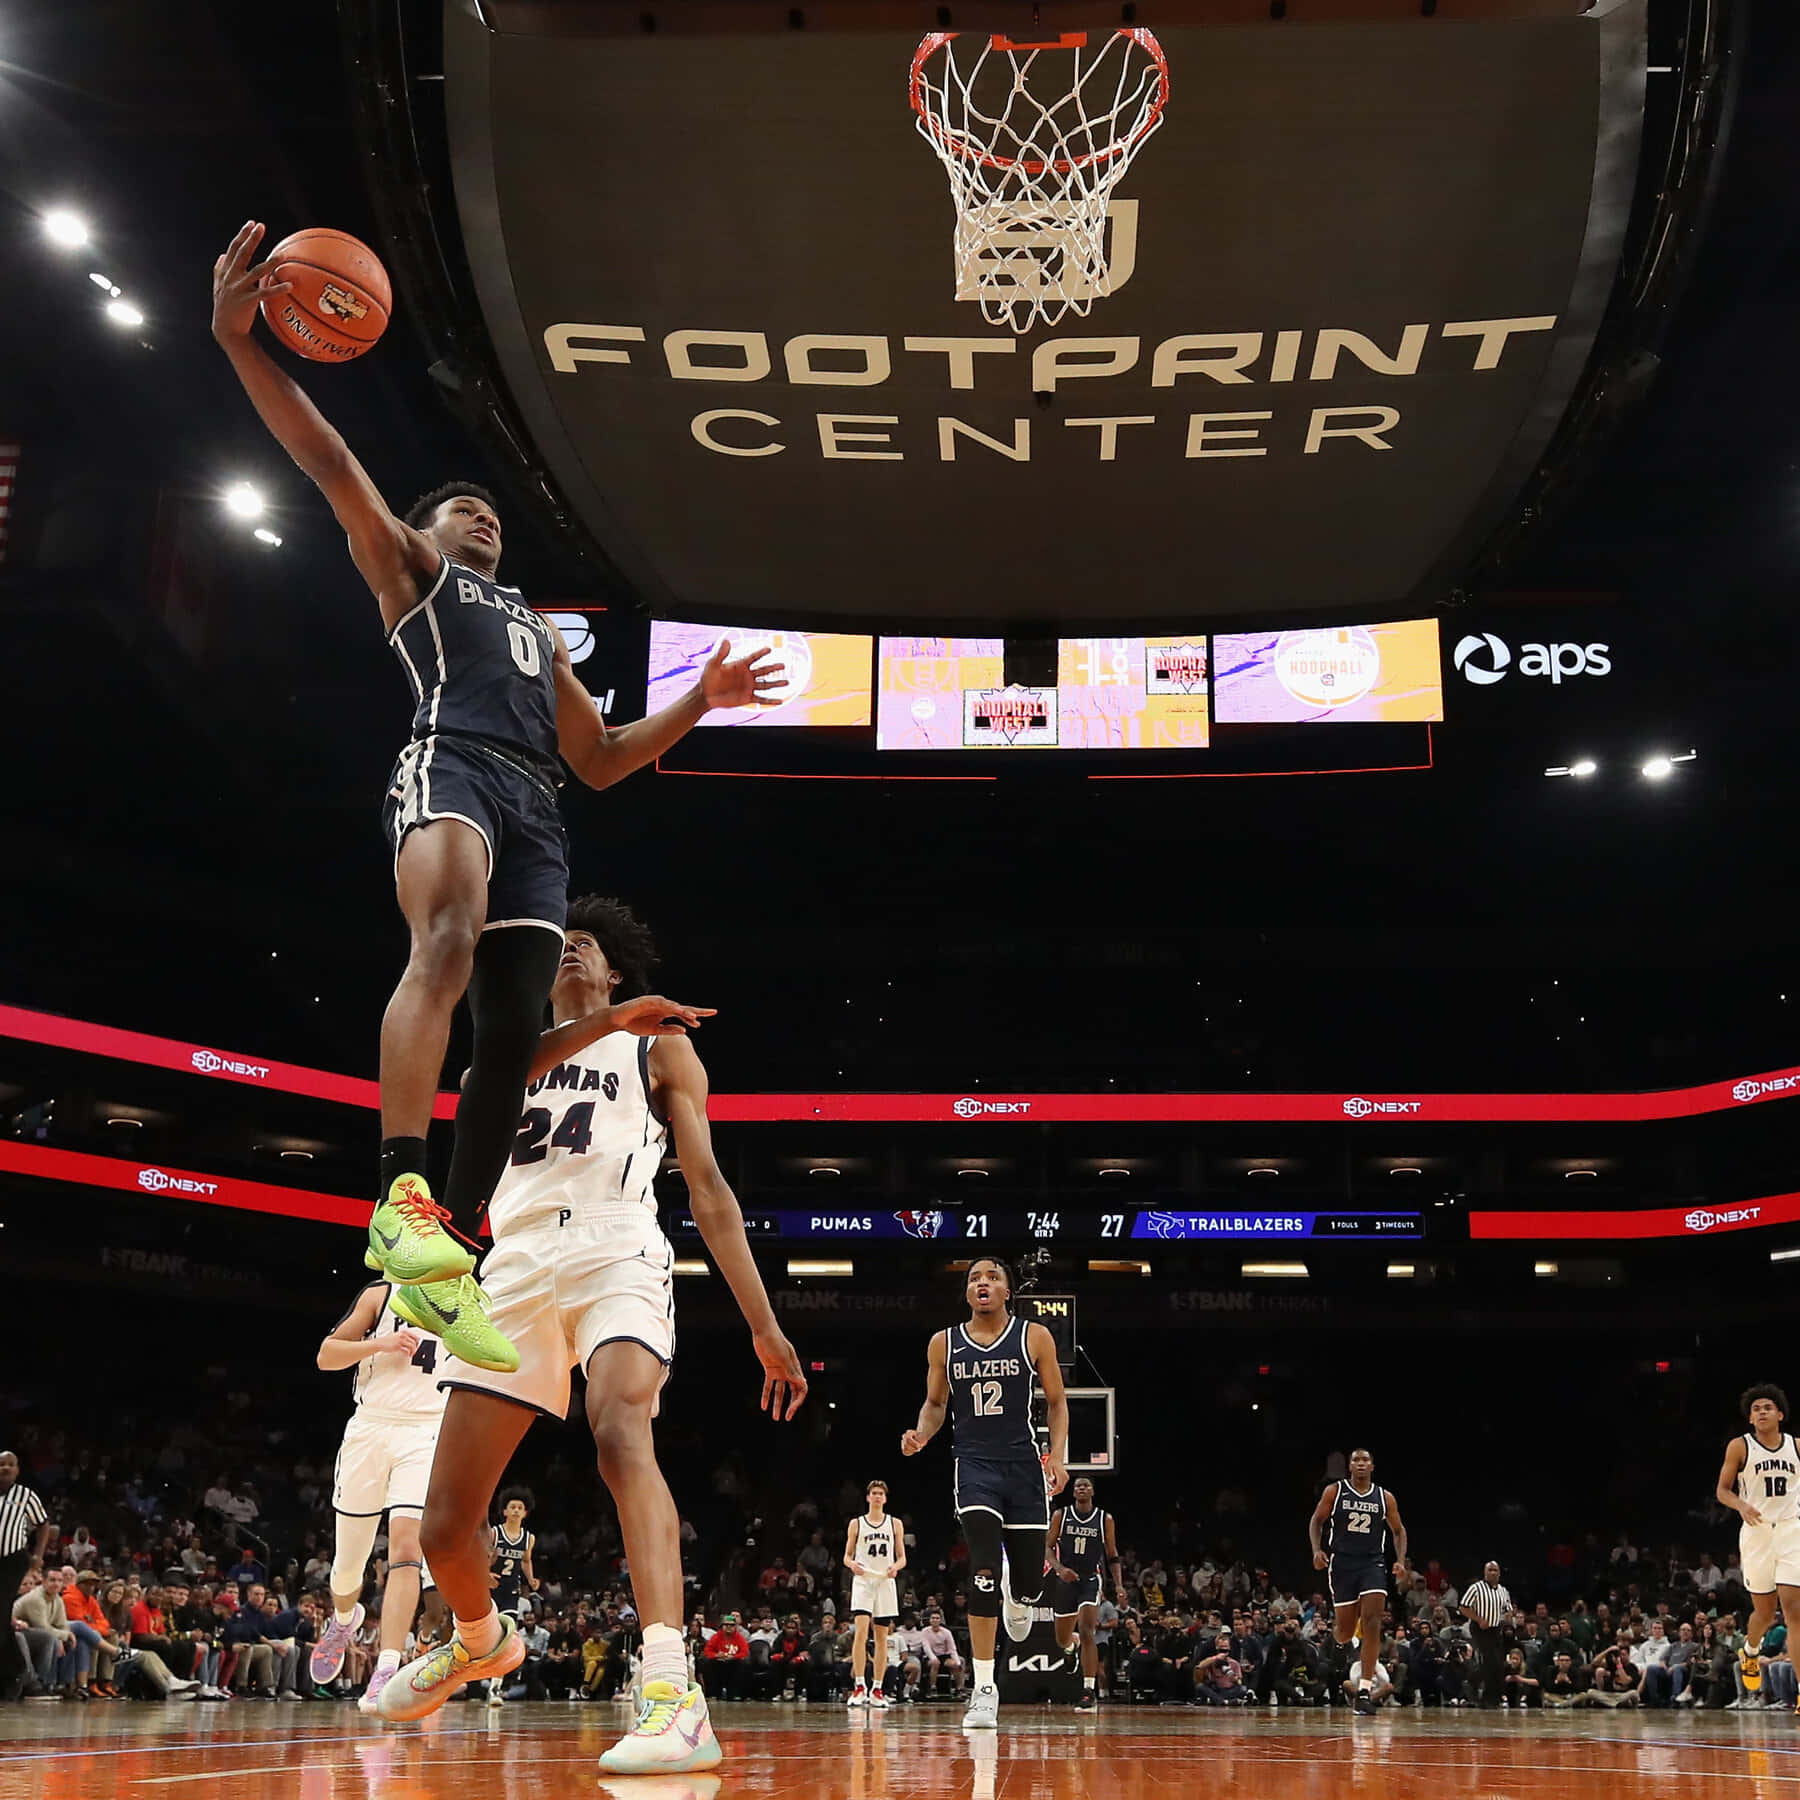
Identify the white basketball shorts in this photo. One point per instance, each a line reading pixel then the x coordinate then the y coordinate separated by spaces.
pixel 878 1598
pixel 1771 1556
pixel 561 1291
pixel 384 1465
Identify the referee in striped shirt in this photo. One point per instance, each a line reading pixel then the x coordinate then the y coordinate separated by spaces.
pixel 24 1530
pixel 1485 1605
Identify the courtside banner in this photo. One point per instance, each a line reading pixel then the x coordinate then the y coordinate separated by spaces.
pixel 1661 1222
pixel 246 1070
pixel 133 1177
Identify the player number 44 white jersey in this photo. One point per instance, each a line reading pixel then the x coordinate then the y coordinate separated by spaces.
pixel 875 1545
pixel 391 1385
pixel 1770 1479
pixel 588 1142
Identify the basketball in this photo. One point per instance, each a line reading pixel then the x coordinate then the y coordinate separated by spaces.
pixel 340 300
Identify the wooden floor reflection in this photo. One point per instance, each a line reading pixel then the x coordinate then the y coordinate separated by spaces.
pixel 260 1751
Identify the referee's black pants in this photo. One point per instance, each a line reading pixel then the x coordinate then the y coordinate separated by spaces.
pixel 12 1660
pixel 1490 1659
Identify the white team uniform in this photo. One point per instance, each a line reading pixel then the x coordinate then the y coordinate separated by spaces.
pixel 1770 1481
pixel 384 1464
pixel 578 1258
pixel 877 1596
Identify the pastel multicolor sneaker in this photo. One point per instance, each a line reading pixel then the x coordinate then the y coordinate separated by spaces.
pixel 673 1735
pixel 329 1652
pixel 407 1239
pixel 420 1687
pixel 371 1695
pixel 456 1311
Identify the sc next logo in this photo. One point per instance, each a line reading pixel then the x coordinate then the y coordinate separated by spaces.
pixel 1485 659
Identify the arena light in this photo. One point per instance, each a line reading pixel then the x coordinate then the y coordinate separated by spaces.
pixel 1406 1169
pixel 1543 1268
pixel 242 501
pixel 67 230
pixel 1784 1255
pixel 803 1266
pixel 972 1174
pixel 1112 1171
pixel 1400 1271
pixel 692 1266
pixel 122 312
pixel 1285 1271
pixel 1581 1174
pixel 106 284
pixel 1119 1266
pixel 824 1171
pixel 123 1124
pixel 1658 768
pixel 263 535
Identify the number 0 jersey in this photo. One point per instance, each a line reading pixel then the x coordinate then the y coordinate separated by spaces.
pixel 990 1394
pixel 589 1141
pixel 1770 1479
pixel 1359 1522
pixel 392 1386
pixel 480 662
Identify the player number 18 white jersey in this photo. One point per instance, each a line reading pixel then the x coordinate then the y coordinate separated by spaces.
pixel 588 1141
pixel 1770 1479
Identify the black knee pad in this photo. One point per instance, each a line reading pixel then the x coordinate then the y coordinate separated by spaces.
pixel 986 1540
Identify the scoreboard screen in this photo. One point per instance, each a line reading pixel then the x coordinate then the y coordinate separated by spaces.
pixel 1044 1225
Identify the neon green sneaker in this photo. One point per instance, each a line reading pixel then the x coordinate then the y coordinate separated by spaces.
pixel 407 1240
pixel 422 1686
pixel 456 1311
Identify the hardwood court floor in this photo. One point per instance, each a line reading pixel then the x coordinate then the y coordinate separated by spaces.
pixel 256 1750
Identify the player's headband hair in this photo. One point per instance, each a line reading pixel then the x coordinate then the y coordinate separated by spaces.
pixel 1763 1390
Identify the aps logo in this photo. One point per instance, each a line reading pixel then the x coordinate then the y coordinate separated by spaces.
pixel 1485 659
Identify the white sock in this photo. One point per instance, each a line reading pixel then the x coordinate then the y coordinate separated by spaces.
pixel 479 1636
pixel 665 1656
pixel 984 1672
pixel 344 1613
pixel 388 1659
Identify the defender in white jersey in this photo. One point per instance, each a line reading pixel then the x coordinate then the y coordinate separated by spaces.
pixel 580 1272
pixel 383 1466
pixel 1760 1481
pixel 874 1553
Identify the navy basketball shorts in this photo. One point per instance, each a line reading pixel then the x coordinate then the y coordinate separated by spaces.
pixel 1350 1577
pixel 447 777
pixel 1012 1490
pixel 1069 1597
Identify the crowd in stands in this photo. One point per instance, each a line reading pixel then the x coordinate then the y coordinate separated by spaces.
pixel 165 1576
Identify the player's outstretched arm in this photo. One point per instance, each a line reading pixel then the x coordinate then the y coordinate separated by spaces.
pixel 600 757
pixel 1726 1489
pixel 1056 1402
pixel 388 553
pixel 349 1341
pixel 681 1088
pixel 649 1015
pixel 1316 1524
pixel 1398 1532
pixel 937 1397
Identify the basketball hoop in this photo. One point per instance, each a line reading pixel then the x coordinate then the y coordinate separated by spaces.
pixel 1033 155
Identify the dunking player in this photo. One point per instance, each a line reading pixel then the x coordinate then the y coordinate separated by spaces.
pixel 1760 1481
pixel 982 1372
pixel 383 1466
pixel 874 1553
pixel 479 861
pixel 580 1274
pixel 1364 1520
pixel 510 1574
pixel 1080 1535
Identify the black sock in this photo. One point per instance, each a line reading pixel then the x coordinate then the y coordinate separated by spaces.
pixel 508 994
pixel 400 1156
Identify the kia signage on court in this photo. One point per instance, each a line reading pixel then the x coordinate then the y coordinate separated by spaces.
pixel 814 323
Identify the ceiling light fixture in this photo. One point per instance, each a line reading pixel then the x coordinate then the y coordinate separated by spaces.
pixel 122 312
pixel 67 230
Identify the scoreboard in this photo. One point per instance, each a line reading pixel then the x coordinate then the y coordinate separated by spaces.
pixel 1044 1225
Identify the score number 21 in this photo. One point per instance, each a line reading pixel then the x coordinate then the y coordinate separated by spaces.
pixel 1042 1224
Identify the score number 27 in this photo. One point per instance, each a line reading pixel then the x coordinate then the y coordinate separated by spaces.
pixel 1042 1224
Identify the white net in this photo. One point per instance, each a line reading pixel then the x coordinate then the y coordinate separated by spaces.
pixel 1034 138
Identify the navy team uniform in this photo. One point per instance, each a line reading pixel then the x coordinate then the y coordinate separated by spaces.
pixel 998 1468
pixel 483 747
pixel 1359 1544
pixel 508 1565
pixel 1080 1546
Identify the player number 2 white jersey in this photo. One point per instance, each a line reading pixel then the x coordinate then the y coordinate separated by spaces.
pixel 875 1545
pixel 588 1141
pixel 1770 1479
pixel 395 1386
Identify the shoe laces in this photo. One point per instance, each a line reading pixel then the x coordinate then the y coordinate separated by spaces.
pixel 655 1714
pixel 419 1210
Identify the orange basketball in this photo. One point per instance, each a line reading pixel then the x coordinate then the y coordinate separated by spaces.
pixel 341 296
